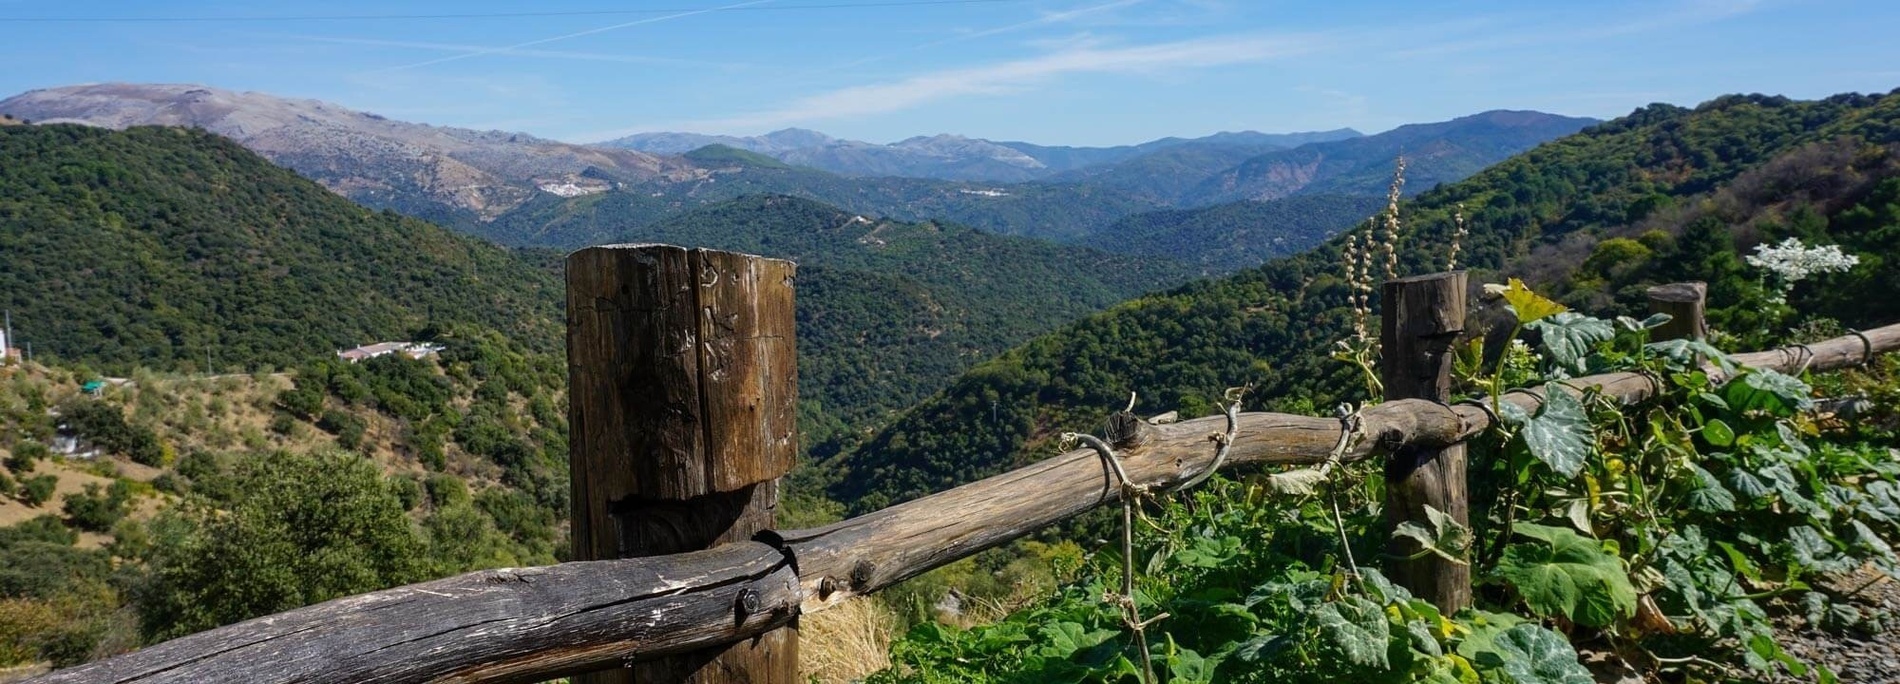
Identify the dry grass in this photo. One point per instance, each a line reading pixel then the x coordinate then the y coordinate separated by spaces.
pixel 847 643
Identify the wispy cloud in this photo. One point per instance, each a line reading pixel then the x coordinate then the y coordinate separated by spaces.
pixel 603 29
pixel 1014 76
pixel 520 52
pixel 1047 18
pixel 1542 32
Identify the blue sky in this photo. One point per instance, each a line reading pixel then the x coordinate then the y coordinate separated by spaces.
pixel 1080 72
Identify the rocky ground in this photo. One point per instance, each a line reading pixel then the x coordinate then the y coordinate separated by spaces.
pixel 1855 658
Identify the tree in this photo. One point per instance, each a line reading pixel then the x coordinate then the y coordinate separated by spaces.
pixel 308 529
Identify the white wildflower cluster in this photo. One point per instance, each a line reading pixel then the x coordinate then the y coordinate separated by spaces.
pixel 1792 261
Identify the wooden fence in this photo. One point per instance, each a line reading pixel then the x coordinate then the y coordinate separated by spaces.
pixel 682 391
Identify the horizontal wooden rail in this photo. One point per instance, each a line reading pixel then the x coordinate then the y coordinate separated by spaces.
pixel 529 624
pixel 509 625
pixel 876 550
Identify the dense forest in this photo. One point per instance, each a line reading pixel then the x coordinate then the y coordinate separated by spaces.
pixel 889 311
pixel 1274 327
pixel 165 246
pixel 1225 238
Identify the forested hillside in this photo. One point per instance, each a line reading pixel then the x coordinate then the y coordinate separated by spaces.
pixel 1228 237
pixel 1273 327
pixel 162 246
pixel 198 501
pixel 889 311
pixel 1440 152
pixel 1045 210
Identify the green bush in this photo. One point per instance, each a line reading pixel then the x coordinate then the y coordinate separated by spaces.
pixel 25 454
pixel 96 510
pixel 35 491
pixel 347 427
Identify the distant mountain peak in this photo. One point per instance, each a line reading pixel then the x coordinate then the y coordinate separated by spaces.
pixel 436 171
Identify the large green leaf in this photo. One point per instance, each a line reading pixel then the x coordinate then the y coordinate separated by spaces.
pixel 1358 629
pixel 1710 496
pixel 1569 336
pixel 1527 305
pixel 1534 655
pixel 1569 575
pixel 1560 435
pixel 1439 534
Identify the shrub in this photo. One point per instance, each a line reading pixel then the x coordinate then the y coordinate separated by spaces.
pixel 347 427
pixel 35 491
pixel 95 510
pixel 25 454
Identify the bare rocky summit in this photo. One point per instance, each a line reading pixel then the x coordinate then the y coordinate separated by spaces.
pixel 428 170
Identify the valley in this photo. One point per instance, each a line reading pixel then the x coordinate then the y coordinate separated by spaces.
pixel 961 304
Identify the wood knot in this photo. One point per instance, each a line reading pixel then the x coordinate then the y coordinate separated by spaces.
pixel 1127 430
pixel 861 575
pixel 747 603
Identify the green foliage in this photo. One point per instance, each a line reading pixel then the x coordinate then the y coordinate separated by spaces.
pixel 1274 327
pixel 1228 237
pixel 97 510
pixel 104 425
pixel 24 454
pixel 1568 575
pixel 306 529
pixel 37 490
pixel 153 246
pixel 1675 528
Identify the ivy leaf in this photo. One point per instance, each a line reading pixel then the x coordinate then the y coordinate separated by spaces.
pixel 1297 482
pixel 1439 534
pixel 1749 485
pixel 1534 655
pixel 1422 640
pixel 1358 628
pixel 1686 353
pixel 1189 667
pixel 1710 496
pixel 1560 435
pixel 1529 306
pixel 1770 392
pixel 1262 648
pixel 1568 575
pixel 1569 336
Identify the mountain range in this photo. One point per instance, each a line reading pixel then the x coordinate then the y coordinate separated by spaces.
pixel 955 157
pixel 429 171
pixel 502 185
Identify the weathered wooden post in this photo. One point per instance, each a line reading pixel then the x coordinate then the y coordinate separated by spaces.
pixel 682 392
pixel 1686 305
pixel 1423 318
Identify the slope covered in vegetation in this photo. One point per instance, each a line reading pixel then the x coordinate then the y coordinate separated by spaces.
pixel 160 246
pixel 1274 327
pixel 214 499
pixel 889 311
pixel 1228 237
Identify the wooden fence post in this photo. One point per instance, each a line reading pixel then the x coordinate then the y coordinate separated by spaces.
pixel 1423 318
pixel 1685 303
pixel 682 393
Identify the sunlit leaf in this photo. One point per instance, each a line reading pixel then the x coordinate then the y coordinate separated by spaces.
pixel 1358 628
pixel 1535 655
pixel 1529 306
pixel 1718 433
pixel 1568 575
